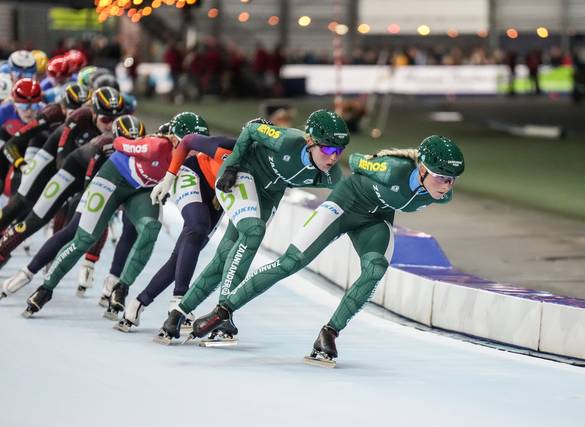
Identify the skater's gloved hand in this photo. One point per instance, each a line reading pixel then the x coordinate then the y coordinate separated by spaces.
pixel 161 190
pixel 227 180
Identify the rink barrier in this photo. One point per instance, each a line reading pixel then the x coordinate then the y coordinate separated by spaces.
pixel 422 285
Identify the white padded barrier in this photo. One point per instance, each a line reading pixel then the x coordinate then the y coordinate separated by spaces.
pixel 563 330
pixel 497 317
pixel 409 295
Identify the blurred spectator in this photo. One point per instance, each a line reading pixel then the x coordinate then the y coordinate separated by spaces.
pixel 173 57
pixel 511 62
pixel 533 61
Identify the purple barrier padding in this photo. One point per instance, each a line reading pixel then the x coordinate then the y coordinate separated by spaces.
pixel 458 277
pixel 412 248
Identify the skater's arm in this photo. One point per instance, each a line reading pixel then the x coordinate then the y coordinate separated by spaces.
pixel 147 148
pixel 209 145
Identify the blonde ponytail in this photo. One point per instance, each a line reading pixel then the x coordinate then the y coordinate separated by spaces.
pixel 409 153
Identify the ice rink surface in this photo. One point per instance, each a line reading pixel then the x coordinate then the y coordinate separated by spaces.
pixel 67 367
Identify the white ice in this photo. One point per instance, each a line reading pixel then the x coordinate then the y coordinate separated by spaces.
pixel 67 367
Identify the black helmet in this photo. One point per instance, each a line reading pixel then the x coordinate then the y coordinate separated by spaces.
pixel 75 95
pixel 128 126
pixel 107 101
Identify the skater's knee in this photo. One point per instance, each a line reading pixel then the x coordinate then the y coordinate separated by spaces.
pixel 292 260
pixel 83 240
pixel 196 233
pixel 374 265
pixel 253 230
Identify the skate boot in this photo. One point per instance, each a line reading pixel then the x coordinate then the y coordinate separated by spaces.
pixel 36 301
pixel 117 301
pixel 171 328
pixel 17 281
pixel 131 316
pixel 85 278
pixel 324 349
pixel 187 324
pixel 210 322
pixel 109 282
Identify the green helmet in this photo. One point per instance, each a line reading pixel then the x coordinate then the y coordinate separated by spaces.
pixel 327 128
pixel 441 156
pixel 186 123
pixel 84 74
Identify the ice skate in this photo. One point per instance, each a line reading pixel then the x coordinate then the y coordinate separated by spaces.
pixel 208 324
pixel 85 278
pixel 36 301
pixel 131 316
pixel 109 282
pixel 17 281
pixel 117 301
pixel 187 325
pixel 224 336
pixel 324 349
pixel 171 328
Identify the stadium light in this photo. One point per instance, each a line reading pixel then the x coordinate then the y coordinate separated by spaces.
pixel 213 12
pixel 146 11
pixel 137 2
pixel 482 33
pixel 331 26
pixel 393 28
pixel 542 32
pixel 364 28
pixel 273 20
pixel 304 21
pixel 156 4
pixel 243 17
pixel 341 29
pixel 424 30
pixel 453 33
pixel 512 33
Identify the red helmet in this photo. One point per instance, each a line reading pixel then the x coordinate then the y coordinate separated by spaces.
pixel 76 59
pixel 58 67
pixel 27 91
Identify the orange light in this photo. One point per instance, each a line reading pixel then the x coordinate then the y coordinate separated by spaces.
pixel 156 4
pixel 273 20
pixel 114 10
pixel 103 17
pixel 131 12
pixel 245 1
pixel 146 11
pixel 169 2
pixel 137 17
pixel 512 33
pixel 180 4
pixel 243 17
pixel 191 1
pixel 123 3
pixel 393 28
pixel 364 28
pixel 452 32
pixel 482 33
pixel 331 26
pixel 105 3
pixel 213 12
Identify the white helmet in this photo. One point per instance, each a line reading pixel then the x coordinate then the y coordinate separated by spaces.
pixel 5 86
pixel 23 63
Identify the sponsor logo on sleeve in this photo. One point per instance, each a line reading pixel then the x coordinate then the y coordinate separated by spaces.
pixel 267 130
pixel 372 166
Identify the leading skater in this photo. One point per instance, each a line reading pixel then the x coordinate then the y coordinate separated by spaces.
pixel 363 205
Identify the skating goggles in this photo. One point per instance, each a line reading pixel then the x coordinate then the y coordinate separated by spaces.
pixel 443 179
pixel 23 106
pixel 329 150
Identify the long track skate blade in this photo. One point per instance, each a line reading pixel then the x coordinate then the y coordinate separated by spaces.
pixel 162 340
pixel 122 326
pixel 322 363
pixel 27 314
pixel 111 315
pixel 218 343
